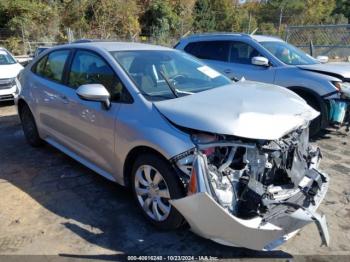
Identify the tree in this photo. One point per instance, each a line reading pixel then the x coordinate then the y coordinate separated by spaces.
pixel 159 20
pixel 74 15
pixel 114 18
pixel 32 20
pixel 296 11
pixel 343 7
pixel 183 10
pixel 216 15
pixel 203 18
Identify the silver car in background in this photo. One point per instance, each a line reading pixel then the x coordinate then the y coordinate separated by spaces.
pixel 271 60
pixel 231 159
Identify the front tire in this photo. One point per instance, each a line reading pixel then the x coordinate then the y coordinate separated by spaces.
pixel 316 124
pixel 29 127
pixel 154 183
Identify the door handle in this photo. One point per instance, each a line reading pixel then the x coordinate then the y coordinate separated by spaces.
pixel 227 71
pixel 64 99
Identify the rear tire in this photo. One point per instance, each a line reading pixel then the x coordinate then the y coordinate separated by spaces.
pixel 154 182
pixel 29 127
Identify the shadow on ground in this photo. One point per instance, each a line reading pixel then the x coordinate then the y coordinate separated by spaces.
pixel 100 212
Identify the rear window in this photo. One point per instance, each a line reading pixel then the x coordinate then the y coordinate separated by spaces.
pixel 211 50
pixel 52 65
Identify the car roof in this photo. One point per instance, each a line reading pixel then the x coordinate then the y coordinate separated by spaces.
pixel 117 46
pixel 265 38
pixel 215 34
pixel 259 38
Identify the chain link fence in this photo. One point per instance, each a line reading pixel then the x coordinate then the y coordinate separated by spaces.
pixel 19 43
pixel 329 40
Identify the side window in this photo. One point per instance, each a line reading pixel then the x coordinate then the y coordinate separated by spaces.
pixel 211 50
pixel 89 68
pixel 54 65
pixel 193 48
pixel 40 66
pixel 242 53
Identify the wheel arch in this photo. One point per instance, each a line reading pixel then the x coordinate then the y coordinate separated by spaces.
pixel 131 157
pixel 306 92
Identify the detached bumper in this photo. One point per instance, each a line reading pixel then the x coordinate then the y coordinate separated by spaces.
pixel 210 220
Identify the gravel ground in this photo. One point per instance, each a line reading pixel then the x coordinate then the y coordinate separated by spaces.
pixel 52 205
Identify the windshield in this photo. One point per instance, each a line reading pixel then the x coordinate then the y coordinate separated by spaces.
pixel 6 58
pixel 288 54
pixel 158 74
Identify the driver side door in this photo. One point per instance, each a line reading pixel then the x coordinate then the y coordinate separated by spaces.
pixel 91 127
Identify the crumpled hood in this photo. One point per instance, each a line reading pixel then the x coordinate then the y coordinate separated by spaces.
pixel 244 109
pixel 342 70
pixel 10 71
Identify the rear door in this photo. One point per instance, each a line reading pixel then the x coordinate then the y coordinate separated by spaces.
pixel 214 53
pixel 47 85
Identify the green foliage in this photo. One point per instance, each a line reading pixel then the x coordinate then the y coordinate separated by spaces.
pixel 343 7
pixel 268 29
pixel 164 20
pixel 160 19
pixel 14 44
pixel 36 17
pixel 203 18
pixel 112 18
pixel 215 15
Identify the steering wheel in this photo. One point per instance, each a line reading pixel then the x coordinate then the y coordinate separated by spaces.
pixel 179 78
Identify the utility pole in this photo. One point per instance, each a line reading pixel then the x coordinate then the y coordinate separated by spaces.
pixel 280 21
pixel 23 40
pixel 249 23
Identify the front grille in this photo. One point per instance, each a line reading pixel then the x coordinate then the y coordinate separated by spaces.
pixel 6 83
pixel 6 97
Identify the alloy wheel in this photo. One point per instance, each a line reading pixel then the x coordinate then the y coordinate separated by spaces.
pixel 152 192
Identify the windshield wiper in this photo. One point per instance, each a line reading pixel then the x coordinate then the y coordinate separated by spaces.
pixel 170 85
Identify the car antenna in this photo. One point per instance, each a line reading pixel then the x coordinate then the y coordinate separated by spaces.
pixel 171 87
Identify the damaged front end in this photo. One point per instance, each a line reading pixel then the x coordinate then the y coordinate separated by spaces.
pixel 253 194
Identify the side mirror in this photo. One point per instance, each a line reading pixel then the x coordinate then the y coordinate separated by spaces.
pixel 95 92
pixel 322 59
pixel 260 61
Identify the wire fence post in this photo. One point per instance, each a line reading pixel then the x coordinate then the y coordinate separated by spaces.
pixel 23 39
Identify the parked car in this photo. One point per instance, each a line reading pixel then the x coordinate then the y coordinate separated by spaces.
pixel 231 159
pixel 40 49
pixel 271 60
pixel 9 69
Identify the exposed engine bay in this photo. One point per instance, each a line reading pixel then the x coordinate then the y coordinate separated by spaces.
pixel 259 183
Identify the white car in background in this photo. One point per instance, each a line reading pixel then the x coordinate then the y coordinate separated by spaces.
pixel 9 69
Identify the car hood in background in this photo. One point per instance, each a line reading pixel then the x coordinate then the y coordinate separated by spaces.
pixel 244 109
pixel 340 70
pixel 10 71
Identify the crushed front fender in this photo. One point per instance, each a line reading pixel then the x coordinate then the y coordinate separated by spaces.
pixel 211 220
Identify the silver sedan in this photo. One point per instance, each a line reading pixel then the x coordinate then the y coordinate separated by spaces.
pixel 230 159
